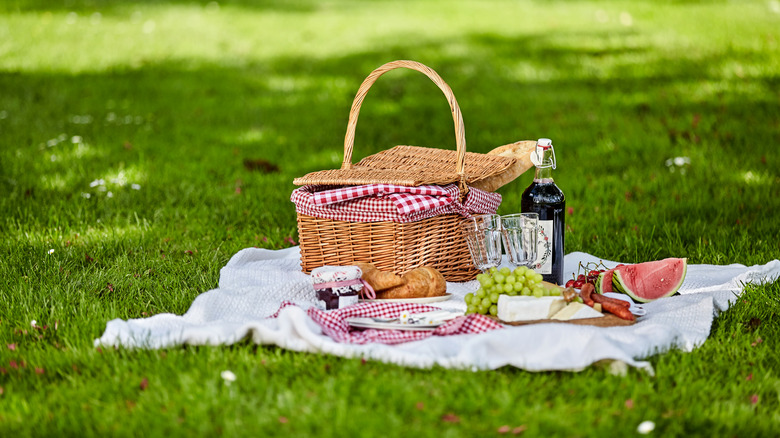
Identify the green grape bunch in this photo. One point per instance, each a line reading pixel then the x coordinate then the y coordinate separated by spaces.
pixel 504 281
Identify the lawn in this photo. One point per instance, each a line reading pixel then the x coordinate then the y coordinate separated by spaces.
pixel 144 142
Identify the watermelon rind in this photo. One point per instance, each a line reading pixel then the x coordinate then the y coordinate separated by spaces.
pixel 604 282
pixel 632 281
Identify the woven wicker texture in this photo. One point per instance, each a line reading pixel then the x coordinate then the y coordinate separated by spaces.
pixel 390 246
pixel 410 165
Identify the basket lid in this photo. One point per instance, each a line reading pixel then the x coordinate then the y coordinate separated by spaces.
pixel 411 166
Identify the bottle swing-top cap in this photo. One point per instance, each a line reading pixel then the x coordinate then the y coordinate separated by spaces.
pixel 542 145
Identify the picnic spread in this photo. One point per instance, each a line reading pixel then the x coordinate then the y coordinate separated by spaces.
pixel 400 260
pixel 263 297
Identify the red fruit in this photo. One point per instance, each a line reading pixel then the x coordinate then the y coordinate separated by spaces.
pixel 581 277
pixel 648 281
pixel 570 283
pixel 578 284
pixel 593 273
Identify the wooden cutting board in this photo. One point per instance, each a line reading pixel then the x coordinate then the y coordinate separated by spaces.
pixel 608 320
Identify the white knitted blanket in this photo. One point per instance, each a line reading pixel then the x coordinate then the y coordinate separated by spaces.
pixel 255 282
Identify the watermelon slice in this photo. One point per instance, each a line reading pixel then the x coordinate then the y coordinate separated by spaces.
pixel 604 282
pixel 645 282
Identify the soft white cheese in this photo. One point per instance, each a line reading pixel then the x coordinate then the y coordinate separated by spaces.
pixel 527 308
pixel 576 310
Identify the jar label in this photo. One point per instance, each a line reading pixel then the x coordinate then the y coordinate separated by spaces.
pixel 543 263
pixel 347 300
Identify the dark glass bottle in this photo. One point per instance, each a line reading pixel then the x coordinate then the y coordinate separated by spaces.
pixel 546 199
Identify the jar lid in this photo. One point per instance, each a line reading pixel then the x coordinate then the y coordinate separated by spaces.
pixel 327 274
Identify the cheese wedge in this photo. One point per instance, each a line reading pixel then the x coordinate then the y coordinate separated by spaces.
pixel 527 308
pixel 576 310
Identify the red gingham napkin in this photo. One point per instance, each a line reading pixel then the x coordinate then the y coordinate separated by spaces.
pixel 385 202
pixel 407 200
pixel 334 323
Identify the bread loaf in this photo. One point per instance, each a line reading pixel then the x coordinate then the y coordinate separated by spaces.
pixel 521 152
pixel 420 282
pixel 379 280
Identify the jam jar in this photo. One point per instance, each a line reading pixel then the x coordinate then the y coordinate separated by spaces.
pixel 337 286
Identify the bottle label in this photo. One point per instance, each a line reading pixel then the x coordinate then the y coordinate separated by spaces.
pixel 543 263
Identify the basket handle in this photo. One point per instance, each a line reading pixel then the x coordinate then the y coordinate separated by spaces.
pixel 460 133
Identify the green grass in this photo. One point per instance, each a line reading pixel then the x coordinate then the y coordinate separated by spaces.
pixel 174 96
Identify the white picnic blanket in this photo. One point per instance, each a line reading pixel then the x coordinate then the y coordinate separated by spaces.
pixel 255 282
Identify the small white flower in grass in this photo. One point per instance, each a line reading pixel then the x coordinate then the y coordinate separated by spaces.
pixel 120 179
pixel 109 195
pixel 76 139
pixel 228 376
pixel 676 163
pixel 53 158
pixel 51 251
pixel 85 195
pixel 97 182
pixel 645 427
pixel 32 323
pixel 135 186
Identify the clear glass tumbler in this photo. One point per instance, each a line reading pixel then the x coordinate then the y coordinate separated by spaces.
pixel 519 232
pixel 483 236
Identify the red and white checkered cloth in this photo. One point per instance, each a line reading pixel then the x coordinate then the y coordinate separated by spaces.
pixel 334 323
pixel 387 202
pixel 407 200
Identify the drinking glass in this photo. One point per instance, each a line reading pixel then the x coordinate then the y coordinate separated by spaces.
pixel 483 236
pixel 520 233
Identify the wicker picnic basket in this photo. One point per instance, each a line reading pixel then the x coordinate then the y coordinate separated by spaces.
pixel 393 246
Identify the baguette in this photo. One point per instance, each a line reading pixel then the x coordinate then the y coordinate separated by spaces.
pixel 521 151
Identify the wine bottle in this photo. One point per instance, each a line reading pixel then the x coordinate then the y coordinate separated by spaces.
pixel 544 197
